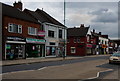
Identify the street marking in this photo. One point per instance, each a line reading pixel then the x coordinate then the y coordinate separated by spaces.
pixel 17 72
pixel 42 68
pixel 98 74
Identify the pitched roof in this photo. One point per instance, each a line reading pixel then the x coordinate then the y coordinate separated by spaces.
pixel 82 31
pixel 10 11
pixel 43 17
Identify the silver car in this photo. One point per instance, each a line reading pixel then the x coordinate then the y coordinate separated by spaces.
pixel 115 58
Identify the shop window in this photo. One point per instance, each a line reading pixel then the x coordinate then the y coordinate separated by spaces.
pixel 32 31
pixel 14 28
pixel 60 33
pixel 50 33
pixel 73 50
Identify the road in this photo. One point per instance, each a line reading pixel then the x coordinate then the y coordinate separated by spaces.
pixel 36 66
pixel 82 68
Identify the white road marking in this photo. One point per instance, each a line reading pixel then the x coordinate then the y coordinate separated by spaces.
pixel 42 68
pixel 98 73
pixel 23 71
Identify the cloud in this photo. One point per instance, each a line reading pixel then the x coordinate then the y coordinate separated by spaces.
pixel 109 28
pixel 104 16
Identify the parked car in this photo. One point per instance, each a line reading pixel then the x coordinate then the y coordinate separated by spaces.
pixel 115 58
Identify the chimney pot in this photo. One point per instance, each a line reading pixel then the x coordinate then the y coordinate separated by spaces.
pixel 18 5
pixel 82 25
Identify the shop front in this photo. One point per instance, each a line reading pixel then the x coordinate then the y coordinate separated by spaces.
pixel 35 47
pixel 15 48
pixel 50 51
pixel 89 49
pixel 61 47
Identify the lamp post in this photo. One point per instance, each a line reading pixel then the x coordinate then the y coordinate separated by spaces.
pixel 64 32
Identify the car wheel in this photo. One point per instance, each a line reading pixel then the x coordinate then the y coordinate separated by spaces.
pixel 110 62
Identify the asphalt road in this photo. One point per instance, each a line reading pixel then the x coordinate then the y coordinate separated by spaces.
pixel 114 74
pixel 35 66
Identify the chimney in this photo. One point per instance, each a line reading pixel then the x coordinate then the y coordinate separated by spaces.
pixel 82 25
pixel 18 5
pixel 99 33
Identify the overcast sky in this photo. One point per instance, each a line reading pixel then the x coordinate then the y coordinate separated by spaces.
pixel 101 16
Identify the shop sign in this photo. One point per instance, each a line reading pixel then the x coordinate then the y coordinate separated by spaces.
pixel 89 45
pixel 15 39
pixel 30 40
pixel 104 46
pixel 41 33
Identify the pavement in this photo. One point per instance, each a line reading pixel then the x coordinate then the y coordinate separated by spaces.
pixel 38 60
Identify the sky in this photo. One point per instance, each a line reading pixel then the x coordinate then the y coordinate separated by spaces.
pixel 101 15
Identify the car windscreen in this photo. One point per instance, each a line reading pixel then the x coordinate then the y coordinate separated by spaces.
pixel 116 54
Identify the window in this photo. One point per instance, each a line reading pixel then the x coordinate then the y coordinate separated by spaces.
pixel 32 31
pixel 42 27
pixel 102 41
pixel 68 40
pixel 73 50
pixel 52 43
pixel 60 33
pixel 75 40
pixel 14 28
pixel 50 33
pixel 78 40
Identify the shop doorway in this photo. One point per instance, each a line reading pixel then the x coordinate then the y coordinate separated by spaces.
pixel 33 50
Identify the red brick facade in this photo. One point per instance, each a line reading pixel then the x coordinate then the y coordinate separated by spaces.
pixel 25 24
pixel 80 47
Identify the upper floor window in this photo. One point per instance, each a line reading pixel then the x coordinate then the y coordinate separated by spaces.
pixel 78 40
pixel 68 40
pixel 60 33
pixel 50 33
pixel 42 27
pixel 75 40
pixel 14 28
pixel 32 31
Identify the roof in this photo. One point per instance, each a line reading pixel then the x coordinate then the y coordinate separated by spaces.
pixel 10 11
pixel 82 31
pixel 43 17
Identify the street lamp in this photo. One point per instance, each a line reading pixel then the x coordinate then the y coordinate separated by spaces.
pixel 64 32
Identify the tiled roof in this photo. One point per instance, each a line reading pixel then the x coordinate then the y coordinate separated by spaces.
pixel 10 11
pixel 82 31
pixel 43 17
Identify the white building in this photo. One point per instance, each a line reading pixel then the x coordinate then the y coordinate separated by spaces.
pixel 54 39
pixel 104 45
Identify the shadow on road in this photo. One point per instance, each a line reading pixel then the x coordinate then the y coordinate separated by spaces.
pixel 109 66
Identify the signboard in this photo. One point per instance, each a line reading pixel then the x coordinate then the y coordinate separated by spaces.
pixel 30 40
pixel 104 46
pixel 89 45
pixel 41 33
pixel 16 38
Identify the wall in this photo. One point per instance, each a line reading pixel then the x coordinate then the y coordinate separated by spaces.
pixel 80 51
pixel 25 25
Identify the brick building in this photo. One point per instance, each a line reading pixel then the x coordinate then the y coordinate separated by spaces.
pixel 77 41
pixel 55 32
pixel 20 34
